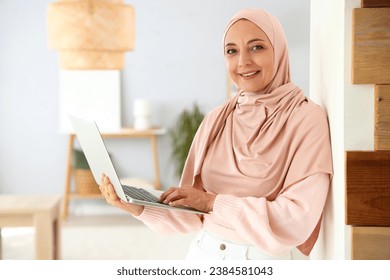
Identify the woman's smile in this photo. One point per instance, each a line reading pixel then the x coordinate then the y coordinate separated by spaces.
pixel 249 74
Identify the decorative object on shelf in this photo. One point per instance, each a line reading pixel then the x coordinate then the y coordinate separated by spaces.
pixel 84 181
pixel 182 135
pixel 91 34
pixel 141 113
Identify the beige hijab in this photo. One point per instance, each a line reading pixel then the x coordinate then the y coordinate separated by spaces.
pixel 285 135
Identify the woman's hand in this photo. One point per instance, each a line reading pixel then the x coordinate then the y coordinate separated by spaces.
pixel 108 191
pixel 190 197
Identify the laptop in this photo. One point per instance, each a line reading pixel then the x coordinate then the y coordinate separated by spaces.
pixel 100 163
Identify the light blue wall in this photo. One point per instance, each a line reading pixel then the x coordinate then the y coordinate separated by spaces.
pixel 178 60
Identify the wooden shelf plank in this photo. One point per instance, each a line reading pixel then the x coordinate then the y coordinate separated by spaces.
pixel 370 243
pixel 85 196
pixel 375 3
pixel 368 188
pixel 382 117
pixel 133 133
pixel 371 46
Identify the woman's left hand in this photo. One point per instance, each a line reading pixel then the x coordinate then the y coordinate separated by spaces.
pixel 190 197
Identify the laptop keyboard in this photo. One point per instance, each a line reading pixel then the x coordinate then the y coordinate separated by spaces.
pixel 139 193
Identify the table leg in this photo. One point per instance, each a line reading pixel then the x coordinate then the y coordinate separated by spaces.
pixel 1 249
pixel 57 238
pixel 68 176
pixel 157 183
pixel 44 236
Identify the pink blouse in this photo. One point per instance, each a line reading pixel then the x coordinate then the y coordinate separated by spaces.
pixel 274 226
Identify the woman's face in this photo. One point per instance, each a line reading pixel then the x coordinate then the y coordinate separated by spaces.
pixel 249 56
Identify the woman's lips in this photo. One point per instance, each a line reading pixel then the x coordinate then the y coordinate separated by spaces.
pixel 249 74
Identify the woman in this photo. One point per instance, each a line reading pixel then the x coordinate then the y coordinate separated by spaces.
pixel 260 165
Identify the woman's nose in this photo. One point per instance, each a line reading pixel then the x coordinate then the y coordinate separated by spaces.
pixel 245 59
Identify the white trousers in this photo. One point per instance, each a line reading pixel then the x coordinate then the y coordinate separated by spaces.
pixel 205 246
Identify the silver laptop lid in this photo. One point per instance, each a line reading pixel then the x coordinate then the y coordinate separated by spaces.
pixel 95 151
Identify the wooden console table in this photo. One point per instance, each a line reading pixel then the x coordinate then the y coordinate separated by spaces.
pixel 128 133
pixel 42 212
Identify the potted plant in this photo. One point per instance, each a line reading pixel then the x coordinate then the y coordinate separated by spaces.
pixel 182 135
pixel 84 181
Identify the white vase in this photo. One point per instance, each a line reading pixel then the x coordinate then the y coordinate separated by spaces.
pixel 141 113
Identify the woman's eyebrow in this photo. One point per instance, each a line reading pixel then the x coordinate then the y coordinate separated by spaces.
pixel 254 40
pixel 230 44
pixel 249 42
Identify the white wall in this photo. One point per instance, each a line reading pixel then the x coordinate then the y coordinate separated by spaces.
pixel 177 60
pixel 349 107
pixel 326 88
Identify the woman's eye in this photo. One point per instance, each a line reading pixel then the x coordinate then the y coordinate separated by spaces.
pixel 230 51
pixel 257 48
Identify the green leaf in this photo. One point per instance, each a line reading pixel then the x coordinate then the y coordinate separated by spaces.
pixel 182 135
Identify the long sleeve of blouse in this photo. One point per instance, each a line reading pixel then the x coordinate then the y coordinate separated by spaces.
pixel 170 221
pixel 279 225
pixel 274 226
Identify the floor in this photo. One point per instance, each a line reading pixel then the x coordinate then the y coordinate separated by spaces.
pixel 111 237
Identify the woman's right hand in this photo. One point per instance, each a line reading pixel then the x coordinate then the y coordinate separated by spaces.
pixel 108 191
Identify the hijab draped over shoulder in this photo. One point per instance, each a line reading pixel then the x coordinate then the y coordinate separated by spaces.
pixel 278 136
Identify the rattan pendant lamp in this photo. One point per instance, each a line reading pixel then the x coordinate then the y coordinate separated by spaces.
pixel 91 34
